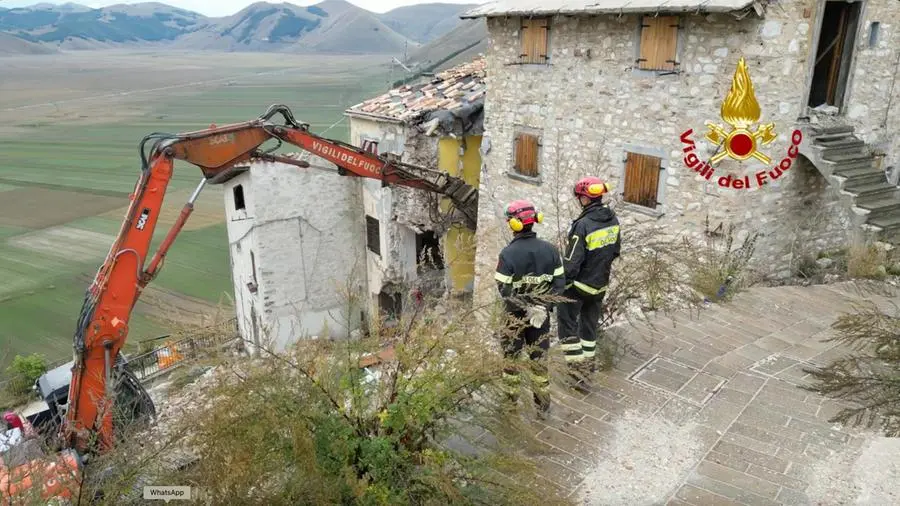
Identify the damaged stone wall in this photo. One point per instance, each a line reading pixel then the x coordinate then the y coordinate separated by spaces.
pixel 416 208
pixel 302 232
pixel 401 212
pixel 589 107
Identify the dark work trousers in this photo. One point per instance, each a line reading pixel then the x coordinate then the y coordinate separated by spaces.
pixel 535 342
pixel 578 322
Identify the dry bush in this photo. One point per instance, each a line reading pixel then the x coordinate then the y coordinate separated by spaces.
pixel 866 261
pixel 719 267
pixel 869 379
pixel 309 426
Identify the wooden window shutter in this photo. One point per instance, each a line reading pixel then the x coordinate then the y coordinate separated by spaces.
pixel 534 40
pixel 527 155
pixel 659 43
pixel 642 179
pixel 373 235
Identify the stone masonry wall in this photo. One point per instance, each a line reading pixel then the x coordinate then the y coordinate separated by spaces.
pixel 869 110
pixel 308 237
pixel 402 212
pixel 589 109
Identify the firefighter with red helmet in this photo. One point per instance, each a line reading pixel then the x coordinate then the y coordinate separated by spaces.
pixel 593 243
pixel 528 270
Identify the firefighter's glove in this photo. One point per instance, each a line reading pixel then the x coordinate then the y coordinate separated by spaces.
pixel 536 316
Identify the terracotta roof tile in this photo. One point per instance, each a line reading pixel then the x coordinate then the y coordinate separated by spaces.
pixel 450 89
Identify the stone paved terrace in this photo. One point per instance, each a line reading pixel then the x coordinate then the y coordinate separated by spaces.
pixel 710 414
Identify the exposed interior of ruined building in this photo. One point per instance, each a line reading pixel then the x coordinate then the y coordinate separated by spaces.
pixel 435 123
pixel 834 53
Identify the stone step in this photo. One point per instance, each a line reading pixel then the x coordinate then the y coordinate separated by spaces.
pixel 840 142
pixel 890 234
pixel 849 158
pixel 832 130
pixel 865 190
pixel 859 164
pixel 832 137
pixel 886 222
pixel 880 207
pixel 861 176
pixel 829 153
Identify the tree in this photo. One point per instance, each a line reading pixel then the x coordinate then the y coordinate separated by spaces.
pixel 869 379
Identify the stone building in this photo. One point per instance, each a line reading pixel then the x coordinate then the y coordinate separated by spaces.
pixel 316 254
pixel 296 243
pixel 435 123
pixel 609 88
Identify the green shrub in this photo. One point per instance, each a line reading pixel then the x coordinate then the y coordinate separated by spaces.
pixel 23 372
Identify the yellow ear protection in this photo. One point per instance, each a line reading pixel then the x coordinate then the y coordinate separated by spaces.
pixel 597 189
pixel 516 225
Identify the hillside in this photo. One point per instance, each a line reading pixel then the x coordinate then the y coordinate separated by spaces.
pixel 425 22
pixel 258 27
pixel 332 26
pixel 117 24
pixel 11 45
pixel 461 44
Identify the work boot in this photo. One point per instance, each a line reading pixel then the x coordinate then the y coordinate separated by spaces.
pixel 542 403
pixel 579 377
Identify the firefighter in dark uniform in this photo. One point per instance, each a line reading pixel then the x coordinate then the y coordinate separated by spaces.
pixel 528 270
pixel 593 243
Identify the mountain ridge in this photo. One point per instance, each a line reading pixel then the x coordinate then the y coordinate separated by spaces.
pixel 331 26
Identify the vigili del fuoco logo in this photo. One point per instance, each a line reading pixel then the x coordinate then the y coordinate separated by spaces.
pixel 744 140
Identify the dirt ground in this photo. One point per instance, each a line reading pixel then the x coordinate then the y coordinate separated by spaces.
pixel 134 81
pixel 66 242
pixel 176 308
pixel 204 215
pixel 41 207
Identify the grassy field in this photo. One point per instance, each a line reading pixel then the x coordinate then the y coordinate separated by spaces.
pixel 69 143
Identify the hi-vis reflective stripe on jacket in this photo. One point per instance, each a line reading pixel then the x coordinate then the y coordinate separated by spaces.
pixel 594 242
pixel 590 290
pixel 529 280
pixel 528 266
pixel 602 237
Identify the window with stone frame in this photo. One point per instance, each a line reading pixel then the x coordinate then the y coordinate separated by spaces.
pixel 659 43
pixel 373 235
pixel 527 151
pixel 535 38
pixel 642 179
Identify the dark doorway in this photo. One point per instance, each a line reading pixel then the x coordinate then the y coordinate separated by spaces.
pixel 390 304
pixel 833 54
pixel 428 251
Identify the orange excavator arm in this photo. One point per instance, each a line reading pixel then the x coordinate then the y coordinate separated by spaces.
pixel 103 323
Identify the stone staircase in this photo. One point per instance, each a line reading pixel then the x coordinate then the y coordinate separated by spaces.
pixel 845 160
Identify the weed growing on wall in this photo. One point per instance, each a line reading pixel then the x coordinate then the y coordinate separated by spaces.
pixel 719 265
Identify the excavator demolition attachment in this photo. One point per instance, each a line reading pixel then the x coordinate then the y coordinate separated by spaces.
pixel 82 395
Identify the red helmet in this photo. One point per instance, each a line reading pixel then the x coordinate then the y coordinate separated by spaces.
pixel 523 210
pixel 591 187
pixel 520 213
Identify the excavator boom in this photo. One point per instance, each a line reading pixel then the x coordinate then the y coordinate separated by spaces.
pixel 103 323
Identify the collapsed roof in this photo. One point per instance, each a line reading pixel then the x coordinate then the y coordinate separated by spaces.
pixel 451 102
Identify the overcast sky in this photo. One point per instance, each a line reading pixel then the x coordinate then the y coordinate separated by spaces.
pixel 227 7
